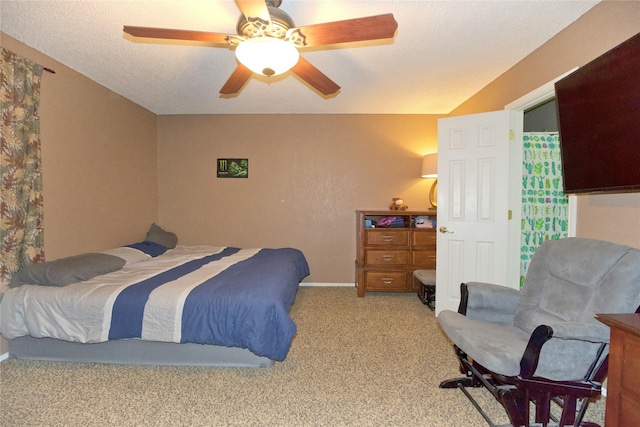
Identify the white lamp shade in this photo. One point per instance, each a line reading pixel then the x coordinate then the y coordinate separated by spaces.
pixel 430 166
pixel 268 56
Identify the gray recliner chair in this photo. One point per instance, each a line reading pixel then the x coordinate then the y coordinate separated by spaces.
pixel 542 344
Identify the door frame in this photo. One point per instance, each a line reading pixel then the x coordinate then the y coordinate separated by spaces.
pixel 533 98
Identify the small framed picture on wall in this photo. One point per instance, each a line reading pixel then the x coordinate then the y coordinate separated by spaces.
pixel 233 168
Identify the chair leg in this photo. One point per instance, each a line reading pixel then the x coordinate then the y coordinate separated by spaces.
pixel 516 403
pixel 460 382
pixel 580 415
pixel 430 296
pixel 568 415
pixel 469 380
pixel 543 408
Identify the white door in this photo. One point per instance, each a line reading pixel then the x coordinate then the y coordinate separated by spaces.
pixel 473 204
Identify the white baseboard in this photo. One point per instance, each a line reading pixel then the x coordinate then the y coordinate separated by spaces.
pixel 352 285
pixel 4 356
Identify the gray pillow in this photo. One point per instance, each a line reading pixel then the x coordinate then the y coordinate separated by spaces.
pixel 165 238
pixel 65 271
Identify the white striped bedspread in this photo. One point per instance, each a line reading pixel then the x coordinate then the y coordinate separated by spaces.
pixel 200 294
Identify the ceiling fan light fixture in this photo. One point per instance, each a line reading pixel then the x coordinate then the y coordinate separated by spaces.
pixel 268 56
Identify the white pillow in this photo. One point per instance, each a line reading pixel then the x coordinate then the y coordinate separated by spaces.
pixel 130 255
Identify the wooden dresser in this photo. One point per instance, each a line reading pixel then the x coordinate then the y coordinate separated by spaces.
pixel 623 385
pixel 387 256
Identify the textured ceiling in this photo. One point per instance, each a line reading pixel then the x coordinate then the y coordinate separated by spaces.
pixel 443 52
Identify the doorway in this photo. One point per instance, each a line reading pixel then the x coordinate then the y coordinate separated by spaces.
pixel 544 204
pixel 536 124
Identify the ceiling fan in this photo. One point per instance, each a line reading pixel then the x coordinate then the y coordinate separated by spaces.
pixel 267 42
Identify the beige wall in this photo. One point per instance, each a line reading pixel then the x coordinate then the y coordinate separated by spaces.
pixel 613 217
pixel 99 162
pixel 308 174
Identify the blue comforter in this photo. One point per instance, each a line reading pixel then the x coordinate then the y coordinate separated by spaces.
pixel 245 305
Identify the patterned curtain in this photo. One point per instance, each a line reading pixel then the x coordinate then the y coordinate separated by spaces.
pixel 21 232
pixel 544 204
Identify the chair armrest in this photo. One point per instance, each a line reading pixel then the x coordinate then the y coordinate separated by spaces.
pixel 581 331
pixel 531 356
pixel 488 302
pixel 592 331
pixel 563 330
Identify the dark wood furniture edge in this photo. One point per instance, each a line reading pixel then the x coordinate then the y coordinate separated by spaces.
pixel 628 322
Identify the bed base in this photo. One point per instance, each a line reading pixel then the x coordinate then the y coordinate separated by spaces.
pixel 135 352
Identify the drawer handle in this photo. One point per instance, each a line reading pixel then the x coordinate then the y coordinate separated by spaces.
pixel 387 238
pixel 387 280
pixel 387 258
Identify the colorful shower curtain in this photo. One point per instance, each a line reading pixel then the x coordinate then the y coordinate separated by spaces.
pixel 21 207
pixel 544 204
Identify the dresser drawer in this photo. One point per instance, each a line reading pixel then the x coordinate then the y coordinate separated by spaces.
pixel 425 259
pixel 424 238
pixel 386 280
pixel 374 257
pixel 629 385
pixel 387 237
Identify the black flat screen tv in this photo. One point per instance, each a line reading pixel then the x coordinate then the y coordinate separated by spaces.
pixel 599 122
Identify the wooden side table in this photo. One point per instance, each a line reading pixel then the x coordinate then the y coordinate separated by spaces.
pixel 623 387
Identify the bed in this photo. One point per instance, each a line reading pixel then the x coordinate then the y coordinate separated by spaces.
pixel 189 305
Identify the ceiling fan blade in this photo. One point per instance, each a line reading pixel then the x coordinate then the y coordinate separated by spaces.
pixel 254 9
pixel 315 77
pixel 166 33
pixel 350 30
pixel 238 78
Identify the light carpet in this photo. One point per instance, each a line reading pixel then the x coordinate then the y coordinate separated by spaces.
pixel 373 361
